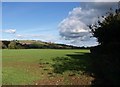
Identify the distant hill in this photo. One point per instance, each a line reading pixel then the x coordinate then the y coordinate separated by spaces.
pixel 34 44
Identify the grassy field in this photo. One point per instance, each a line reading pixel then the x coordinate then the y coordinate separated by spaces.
pixel 46 67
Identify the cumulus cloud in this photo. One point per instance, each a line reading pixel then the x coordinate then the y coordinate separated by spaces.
pixel 75 26
pixel 11 31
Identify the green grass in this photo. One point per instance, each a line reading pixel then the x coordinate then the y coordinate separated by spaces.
pixel 30 66
pixel 0 67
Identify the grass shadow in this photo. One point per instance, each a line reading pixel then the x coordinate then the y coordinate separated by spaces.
pixel 78 62
pixel 73 62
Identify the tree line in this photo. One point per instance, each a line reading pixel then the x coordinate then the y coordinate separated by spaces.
pixel 105 56
pixel 16 44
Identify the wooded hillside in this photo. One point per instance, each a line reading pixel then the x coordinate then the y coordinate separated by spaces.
pixel 33 44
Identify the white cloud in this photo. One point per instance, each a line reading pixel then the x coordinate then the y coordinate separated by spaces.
pixel 75 25
pixel 28 35
pixel 19 36
pixel 43 37
pixel 11 31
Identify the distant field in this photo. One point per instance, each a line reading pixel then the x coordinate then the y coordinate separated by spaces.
pixel 45 66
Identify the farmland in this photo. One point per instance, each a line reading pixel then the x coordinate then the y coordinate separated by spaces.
pixel 46 67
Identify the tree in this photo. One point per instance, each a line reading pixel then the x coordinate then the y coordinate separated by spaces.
pixel 108 30
pixel 106 58
pixel 12 45
pixel 4 46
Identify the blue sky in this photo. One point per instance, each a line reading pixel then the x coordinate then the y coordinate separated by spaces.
pixel 51 21
pixel 34 18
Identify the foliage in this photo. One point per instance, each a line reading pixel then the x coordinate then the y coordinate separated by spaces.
pixel 30 44
pixel 4 46
pixel 106 58
pixel 12 45
pixel 108 31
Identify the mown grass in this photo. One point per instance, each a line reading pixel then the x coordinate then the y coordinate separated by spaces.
pixel 31 66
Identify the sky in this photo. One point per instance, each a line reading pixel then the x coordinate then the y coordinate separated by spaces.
pixel 58 22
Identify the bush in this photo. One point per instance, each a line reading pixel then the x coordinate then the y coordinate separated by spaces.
pixel 106 58
pixel 12 45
